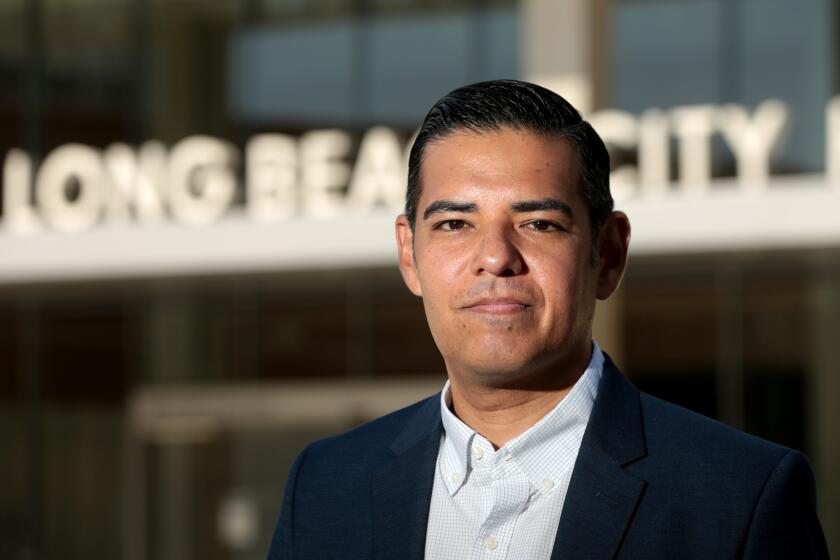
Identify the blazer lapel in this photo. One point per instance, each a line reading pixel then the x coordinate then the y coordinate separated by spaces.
pixel 402 487
pixel 602 496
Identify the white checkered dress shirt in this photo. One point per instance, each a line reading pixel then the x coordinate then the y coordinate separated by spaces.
pixel 490 504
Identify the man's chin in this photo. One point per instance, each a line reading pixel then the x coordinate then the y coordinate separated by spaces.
pixel 498 369
pixel 510 366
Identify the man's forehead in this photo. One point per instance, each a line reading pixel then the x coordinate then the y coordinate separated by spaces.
pixel 511 164
pixel 498 151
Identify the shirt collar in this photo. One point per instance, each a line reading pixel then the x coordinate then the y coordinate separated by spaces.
pixel 538 450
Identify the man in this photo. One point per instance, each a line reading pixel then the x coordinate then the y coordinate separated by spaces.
pixel 537 446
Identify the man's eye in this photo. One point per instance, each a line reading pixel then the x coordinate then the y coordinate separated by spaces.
pixel 542 225
pixel 451 225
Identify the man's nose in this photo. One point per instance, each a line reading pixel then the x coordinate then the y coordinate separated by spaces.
pixel 496 254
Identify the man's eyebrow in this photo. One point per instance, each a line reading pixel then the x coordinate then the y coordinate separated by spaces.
pixel 439 206
pixel 543 204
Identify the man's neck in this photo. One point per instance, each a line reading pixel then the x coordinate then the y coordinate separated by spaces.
pixel 501 414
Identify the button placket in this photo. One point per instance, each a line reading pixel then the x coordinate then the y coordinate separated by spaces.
pixel 511 493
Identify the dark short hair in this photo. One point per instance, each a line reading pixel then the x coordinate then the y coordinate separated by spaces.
pixel 497 104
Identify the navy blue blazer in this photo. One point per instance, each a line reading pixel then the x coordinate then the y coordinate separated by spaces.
pixel 652 480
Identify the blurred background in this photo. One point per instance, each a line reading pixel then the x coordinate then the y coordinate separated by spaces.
pixel 197 271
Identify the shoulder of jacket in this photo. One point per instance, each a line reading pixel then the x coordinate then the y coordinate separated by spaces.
pixel 378 433
pixel 680 428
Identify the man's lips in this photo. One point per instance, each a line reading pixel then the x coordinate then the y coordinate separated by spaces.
pixel 497 306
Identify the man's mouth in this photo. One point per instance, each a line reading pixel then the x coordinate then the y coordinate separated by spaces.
pixel 497 306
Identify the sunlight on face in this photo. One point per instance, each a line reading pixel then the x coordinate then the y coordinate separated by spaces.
pixel 502 246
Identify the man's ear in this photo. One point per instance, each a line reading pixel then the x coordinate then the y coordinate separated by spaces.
pixel 405 247
pixel 613 244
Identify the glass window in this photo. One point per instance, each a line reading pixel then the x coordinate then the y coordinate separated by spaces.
pixel 675 52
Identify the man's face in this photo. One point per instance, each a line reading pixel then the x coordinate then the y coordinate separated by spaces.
pixel 501 254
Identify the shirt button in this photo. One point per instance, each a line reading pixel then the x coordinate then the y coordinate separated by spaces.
pixel 455 477
pixel 490 543
pixel 548 484
pixel 508 457
pixel 478 453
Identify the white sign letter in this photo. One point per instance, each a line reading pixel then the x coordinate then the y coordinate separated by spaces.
pixel 753 140
pixel 832 142
pixel 618 129
pixel 18 214
pixel 136 179
pixel 322 171
pixel 201 179
pixel 68 168
pixel 654 153
pixel 379 176
pixel 271 176
pixel 694 127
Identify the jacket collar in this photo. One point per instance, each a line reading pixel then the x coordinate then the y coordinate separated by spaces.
pixel 402 487
pixel 603 496
pixel 600 502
